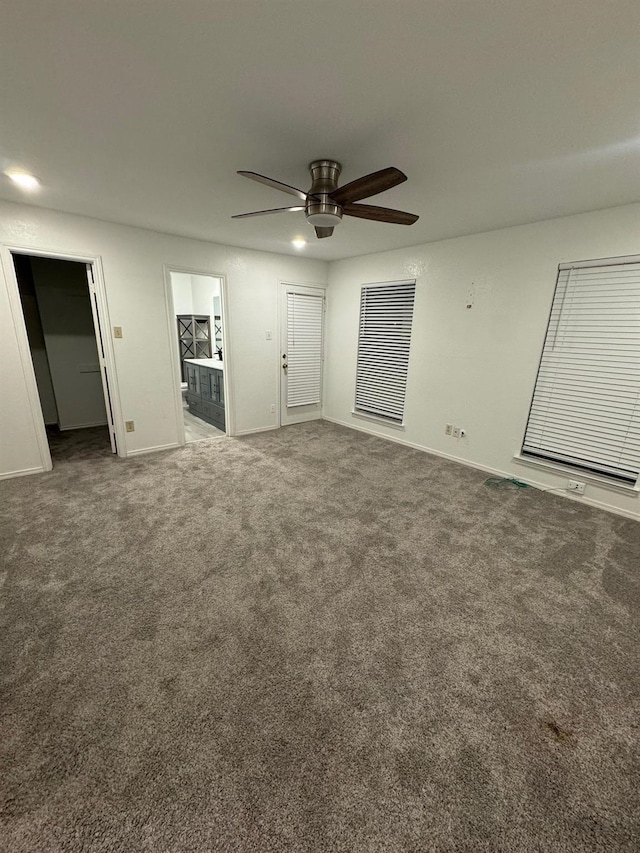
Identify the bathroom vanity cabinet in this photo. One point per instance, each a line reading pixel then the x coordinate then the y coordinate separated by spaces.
pixel 205 389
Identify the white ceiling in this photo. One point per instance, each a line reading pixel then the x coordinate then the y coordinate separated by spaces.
pixel 500 112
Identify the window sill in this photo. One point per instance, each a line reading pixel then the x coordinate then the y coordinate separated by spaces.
pixel 377 420
pixel 575 473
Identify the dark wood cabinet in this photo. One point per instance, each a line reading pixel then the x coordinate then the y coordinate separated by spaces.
pixel 205 393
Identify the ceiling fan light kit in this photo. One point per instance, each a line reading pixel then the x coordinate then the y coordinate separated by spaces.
pixel 326 203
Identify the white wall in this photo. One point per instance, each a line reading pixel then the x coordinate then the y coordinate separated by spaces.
pixel 70 339
pixel 182 295
pixel 197 295
pixel 133 265
pixel 204 289
pixel 194 294
pixel 475 368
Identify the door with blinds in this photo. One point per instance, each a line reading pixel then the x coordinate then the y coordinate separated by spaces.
pixel 585 411
pixel 301 353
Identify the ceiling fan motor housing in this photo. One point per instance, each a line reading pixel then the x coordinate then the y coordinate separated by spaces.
pixel 320 210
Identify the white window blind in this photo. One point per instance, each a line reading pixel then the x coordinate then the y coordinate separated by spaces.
pixel 586 404
pixel 304 353
pixel 386 315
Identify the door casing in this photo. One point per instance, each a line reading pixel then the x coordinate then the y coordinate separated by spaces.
pixel 99 307
pixel 302 413
pixel 174 347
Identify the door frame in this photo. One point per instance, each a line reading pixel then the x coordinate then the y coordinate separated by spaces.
pixel 283 284
pixel 229 412
pixel 101 312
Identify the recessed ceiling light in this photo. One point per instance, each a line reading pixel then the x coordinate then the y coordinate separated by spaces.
pixel 24 180
pixel 299 242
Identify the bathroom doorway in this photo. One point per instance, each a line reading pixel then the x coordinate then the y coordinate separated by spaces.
pixel 196 307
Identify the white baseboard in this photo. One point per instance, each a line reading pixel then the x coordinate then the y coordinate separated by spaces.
pixel 8 475
pixel 158 447
pixel 83 426
pixel 252 431
pixel 584 499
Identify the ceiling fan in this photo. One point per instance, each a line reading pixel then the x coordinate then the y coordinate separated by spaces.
pixel 325 203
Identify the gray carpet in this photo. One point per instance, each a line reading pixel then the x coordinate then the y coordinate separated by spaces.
pixel 75 444
pixel 314 640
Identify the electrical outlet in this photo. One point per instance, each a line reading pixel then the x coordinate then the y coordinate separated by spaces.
pixel 117 331
pixel 129 426
pixel 268 335
pixel 456 432
pixel 273 408
pixel 448 429
pixel 576 486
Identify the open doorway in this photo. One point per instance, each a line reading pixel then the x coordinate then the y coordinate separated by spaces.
pixel 198 313
pixel 65 343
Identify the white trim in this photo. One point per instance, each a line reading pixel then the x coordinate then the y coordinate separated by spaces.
pixel 174 346
pixel 100 334
pixel 283 284
pixel 46 253
pixel 228 372
pixel 495 471
pixel 15 304
pixel 109 353
pixel 141 451
pixel 253 431
pixel 229 396
pixel 565 471
pixel 23 472
pixel 378 420
pixel 83 426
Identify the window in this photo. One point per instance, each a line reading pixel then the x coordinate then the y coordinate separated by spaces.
pixel 386 313
pixel 585 411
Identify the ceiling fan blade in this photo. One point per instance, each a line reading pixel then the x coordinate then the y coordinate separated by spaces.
pixel 277 185
pixel 262 212
pixel 323 232
pixel 376 182
pixel 380 214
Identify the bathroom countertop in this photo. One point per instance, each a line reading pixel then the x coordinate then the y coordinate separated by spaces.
pixel 206 362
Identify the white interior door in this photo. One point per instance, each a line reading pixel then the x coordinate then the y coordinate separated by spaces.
pixel 100 332
pixel 301 353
